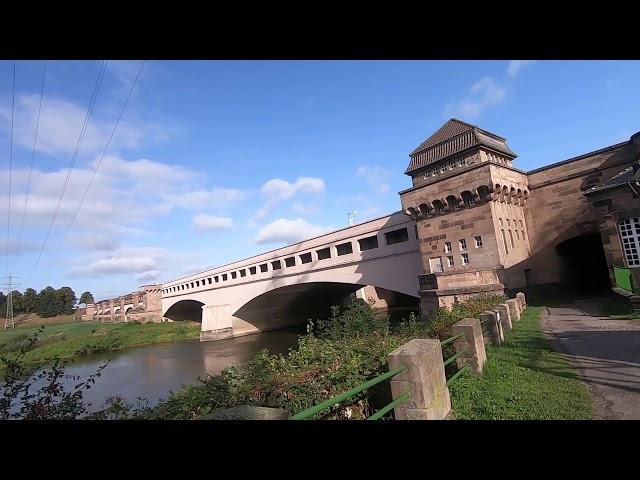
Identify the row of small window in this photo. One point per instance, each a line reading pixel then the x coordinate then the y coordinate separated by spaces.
pixel 437 266
pixel 464 257
pixel 432 172
pixel 513 245
pixel 368 243
pixel 462 244
pixel 515 222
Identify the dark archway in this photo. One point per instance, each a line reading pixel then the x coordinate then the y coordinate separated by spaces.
pixel 296 304
pixel 185 310
pixel 584 263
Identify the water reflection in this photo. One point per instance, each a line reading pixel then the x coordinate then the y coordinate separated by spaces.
pixel 155 370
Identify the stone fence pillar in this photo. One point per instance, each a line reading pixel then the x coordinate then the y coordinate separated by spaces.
pixel 472 343
pixel 505 317
pixel 514 308
pixel 423 379
pixel 523 300
pixel 490 322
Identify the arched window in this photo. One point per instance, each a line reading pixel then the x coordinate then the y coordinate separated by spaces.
pixel 425 210
pixel 438 207
pixel 467 198
pixel 412 213
pixel 484 193
pixel 630 235
pixel 452 201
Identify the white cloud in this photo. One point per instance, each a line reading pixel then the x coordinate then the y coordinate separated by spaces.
pixel 281 189
pixel 124 199
pixel 61 137
pixel 376 177
pixel 276 190
pixel 94 242
pixel 150 276
pixel 482 95
pixel 125 72
pixel 115 265
pixel 217 197
pixel 515 66
pixel 289 231
pixel 208 223
pixel 126 260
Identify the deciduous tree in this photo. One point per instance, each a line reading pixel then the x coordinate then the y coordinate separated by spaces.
pixel 86 297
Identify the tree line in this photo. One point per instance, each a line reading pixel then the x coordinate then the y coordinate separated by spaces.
pixel 48 303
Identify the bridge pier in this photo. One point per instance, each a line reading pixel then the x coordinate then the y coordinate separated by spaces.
pixel 217 322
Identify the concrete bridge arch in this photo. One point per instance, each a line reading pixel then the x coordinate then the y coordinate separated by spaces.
pixel 382 258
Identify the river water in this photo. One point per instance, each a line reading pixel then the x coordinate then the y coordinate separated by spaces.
pixel 153 371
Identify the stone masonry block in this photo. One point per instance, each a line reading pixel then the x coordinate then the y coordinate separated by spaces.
pixel 505 317
pixel 420 356
pixel 523 300
pixel 475 355
pixel 513 309
pixel 438 410
pixel 423 378
pixel 490 322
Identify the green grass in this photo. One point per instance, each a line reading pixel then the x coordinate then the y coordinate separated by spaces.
pixel 70 340
pixel 524 379
pixel 618 310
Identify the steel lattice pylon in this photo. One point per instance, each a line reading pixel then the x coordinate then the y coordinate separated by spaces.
pixel 9 321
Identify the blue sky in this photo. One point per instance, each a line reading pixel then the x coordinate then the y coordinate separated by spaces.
pixel 216 161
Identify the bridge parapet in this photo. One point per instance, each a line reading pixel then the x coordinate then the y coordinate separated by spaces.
pixel 393 234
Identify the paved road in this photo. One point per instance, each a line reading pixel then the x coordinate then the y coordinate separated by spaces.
pixel 606 353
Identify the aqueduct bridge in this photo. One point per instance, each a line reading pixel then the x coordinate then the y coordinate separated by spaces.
pixel 379 260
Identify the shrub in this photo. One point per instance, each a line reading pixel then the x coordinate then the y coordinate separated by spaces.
pixel 17 343
pixel 20 399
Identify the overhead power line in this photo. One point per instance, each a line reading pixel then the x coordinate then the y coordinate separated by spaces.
pixel 33 155
pixel 106 148
pixel 96 89
pixel 13 101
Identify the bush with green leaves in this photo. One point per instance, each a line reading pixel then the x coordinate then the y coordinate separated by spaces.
pixel 17 343
pixel 348 349
pixel 31 393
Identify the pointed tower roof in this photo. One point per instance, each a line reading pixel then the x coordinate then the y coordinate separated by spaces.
pixel 452 138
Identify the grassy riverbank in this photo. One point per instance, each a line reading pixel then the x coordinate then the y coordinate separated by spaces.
pixel 337 355
pixel 69 340
pixel 524 379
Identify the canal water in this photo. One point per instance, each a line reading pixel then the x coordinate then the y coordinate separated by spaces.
pixel 153 371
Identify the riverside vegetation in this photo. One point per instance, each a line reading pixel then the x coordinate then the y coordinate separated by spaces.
pixel 70 340
pixel 336 355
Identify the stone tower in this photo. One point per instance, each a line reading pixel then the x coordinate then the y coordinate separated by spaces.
pixel 468 202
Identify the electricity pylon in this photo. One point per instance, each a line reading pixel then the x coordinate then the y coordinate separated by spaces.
pixel 9 322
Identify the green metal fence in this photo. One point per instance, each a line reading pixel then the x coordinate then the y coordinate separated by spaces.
pixel 454 357
pixel 623 278
pixel 310 412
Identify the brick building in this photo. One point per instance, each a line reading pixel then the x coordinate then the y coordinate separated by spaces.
pixel 484 225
